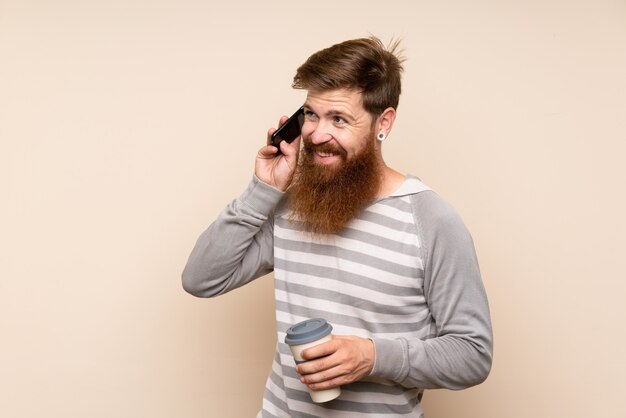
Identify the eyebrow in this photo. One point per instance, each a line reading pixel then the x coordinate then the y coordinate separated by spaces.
pixel 332 112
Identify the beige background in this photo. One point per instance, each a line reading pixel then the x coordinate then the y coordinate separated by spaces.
pixel 127 125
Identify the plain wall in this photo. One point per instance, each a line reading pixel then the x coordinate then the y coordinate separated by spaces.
pixel 126 126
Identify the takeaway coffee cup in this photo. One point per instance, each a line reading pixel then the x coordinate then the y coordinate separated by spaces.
pixel 307 334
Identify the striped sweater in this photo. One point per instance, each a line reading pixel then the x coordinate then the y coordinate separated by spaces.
pixel 402 273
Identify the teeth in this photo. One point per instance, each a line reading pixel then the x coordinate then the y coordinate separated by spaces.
pixel 324 154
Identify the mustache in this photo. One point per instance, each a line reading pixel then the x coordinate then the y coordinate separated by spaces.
pixel 325 147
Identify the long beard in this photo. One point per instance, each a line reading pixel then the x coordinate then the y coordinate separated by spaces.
pixel 325 198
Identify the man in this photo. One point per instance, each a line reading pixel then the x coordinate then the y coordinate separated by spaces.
pixel 376 253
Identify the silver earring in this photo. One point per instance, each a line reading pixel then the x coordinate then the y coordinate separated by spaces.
pixel 381 136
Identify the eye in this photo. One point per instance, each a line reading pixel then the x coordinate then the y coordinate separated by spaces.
pixel 309 115
pixel 339 120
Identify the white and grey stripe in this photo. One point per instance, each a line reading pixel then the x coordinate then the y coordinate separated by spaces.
pixel 366 281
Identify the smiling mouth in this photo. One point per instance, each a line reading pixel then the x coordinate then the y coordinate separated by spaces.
pixel 325 154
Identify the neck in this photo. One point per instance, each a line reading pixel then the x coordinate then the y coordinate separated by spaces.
pixel 391 180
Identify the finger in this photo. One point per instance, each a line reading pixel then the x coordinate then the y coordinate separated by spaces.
pixel 329 384
pixel 268 151
pixel 326 379
pixel 318 365
pixel 282 120
pixel 320 350
pixel 269 135
pixel 290 149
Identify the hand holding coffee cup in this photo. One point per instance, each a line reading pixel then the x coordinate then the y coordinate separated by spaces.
pixel 308 334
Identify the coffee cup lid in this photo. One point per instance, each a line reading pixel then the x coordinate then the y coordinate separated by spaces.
pixel 308 331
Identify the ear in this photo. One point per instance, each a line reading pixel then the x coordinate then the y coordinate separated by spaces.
pixel 385 121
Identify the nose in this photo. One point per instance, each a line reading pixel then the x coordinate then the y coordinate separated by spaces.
pixel 319 134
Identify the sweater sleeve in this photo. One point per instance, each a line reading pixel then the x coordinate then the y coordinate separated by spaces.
pixel 237 247
pixel 459 354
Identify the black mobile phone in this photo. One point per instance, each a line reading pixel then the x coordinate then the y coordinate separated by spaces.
pixel 289 130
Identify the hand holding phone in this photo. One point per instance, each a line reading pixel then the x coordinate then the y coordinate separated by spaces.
pixel 289 130
pixel 272 167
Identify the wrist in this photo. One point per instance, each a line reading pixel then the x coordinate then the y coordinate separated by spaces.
pixel 390 359
pixel 261 196
pixel 371 355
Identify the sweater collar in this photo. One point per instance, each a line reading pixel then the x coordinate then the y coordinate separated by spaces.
pixel 410 185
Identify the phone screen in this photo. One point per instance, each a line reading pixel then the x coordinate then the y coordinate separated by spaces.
pixel 289 130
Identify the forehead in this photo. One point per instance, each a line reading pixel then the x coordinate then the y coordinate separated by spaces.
pixel 340 100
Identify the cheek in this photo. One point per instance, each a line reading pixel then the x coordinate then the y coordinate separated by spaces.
pixel 351 145
pixel 307 129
